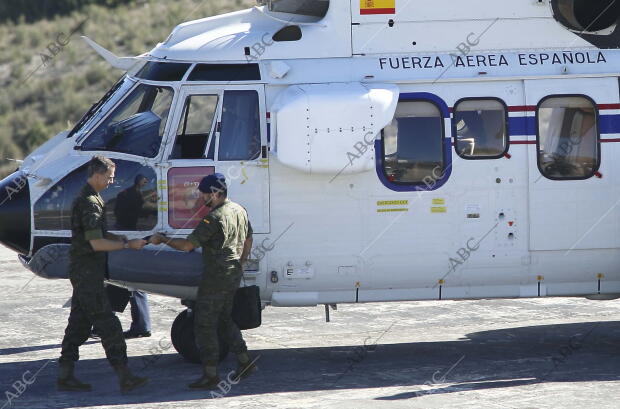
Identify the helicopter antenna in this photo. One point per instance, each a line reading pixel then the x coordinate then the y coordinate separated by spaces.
pixel 122 63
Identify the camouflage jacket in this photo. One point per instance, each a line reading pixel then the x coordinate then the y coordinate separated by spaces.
pixel 222 235
pixel 88 222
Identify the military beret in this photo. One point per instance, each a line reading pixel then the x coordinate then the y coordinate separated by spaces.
pixel 213 183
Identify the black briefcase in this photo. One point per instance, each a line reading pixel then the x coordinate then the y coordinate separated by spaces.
pixel 247 311
pixel 119 297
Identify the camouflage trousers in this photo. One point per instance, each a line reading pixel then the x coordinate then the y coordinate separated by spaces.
pixel 90 307
pixel 213 317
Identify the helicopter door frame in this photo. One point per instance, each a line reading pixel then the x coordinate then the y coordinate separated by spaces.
pixel 574 213
pixel 248 180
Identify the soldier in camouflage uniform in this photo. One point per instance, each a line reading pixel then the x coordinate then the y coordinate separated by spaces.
pixel 225 236
pixel 89 304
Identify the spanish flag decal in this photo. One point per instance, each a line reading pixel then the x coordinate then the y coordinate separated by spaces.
pixel 377 7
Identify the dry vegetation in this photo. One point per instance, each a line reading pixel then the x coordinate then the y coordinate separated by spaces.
pixel 39 100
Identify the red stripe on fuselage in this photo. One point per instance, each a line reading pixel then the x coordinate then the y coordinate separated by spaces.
pixel 532 108
pixel 522 108
pixel 609 106
pixel 377 11
pixel 613 140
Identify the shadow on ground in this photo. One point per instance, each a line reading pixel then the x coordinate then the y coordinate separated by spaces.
pixel 583 352
pixel 21 350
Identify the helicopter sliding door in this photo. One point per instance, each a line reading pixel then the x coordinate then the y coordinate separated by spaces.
pixel 217 130
pixel 573 182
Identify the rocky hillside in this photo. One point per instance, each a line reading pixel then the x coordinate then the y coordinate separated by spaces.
pixel 49 77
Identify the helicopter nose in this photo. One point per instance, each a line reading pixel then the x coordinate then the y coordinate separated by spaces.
pixel 15 212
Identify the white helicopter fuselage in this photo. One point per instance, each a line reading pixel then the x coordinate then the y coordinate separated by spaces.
pixel 344 207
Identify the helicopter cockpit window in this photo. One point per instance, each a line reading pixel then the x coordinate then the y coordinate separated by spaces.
pixel 481 128
pixel 131 201
pixel 240 131
pixel 568 138
pixel 136 126
pixel 225 72
pixel 413 143
pixel 313 8
pixel 163 71
pixel 195 127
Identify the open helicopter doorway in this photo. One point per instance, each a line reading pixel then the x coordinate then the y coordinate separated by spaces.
pixel 220 130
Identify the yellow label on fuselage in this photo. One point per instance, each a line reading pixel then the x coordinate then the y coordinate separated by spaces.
pixel 391 210
pixel 392 202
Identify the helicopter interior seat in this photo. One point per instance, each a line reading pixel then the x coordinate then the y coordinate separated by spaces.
pixel 588 130
pixel 163 114
pixel 135 134
pixel 481 133
pixel 584 126
pixel 189 146
pixel 491 140
pixel 569 149
pixel 494 125
pixel 469 130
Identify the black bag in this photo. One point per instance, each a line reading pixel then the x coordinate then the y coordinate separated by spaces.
pixel 119 297
pixel 247 311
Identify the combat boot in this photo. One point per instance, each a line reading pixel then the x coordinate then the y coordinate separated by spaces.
pixel 67 382
pixel 128 381
pixel 245 367
pixel 209 379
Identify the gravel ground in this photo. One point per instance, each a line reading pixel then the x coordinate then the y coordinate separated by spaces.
pixel 531 353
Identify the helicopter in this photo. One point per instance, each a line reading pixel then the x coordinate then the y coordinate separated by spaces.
pixel 386 151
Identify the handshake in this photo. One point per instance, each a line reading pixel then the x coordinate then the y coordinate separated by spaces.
pixel 138 244
pixel 158 238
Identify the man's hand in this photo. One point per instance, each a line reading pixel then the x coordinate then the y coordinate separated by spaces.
pixel 158 238
pixel 177 244
pixel 136 244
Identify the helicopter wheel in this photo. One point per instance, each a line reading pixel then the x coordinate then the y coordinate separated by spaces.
pixel 184 341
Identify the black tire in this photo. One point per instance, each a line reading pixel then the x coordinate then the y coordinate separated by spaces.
pixel 184 341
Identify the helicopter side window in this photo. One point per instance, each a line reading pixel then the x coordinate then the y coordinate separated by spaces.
pixel 240 130
pixel 136 126
pixel 480 128
pixel 413 143
pixel 568 138
pixel 195 127
pixel 131 201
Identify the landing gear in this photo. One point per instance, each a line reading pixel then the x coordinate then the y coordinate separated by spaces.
pixel 182 335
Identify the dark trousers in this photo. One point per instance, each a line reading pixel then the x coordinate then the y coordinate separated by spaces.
pixel 213 317
pixel 140 315
pixel 90 307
